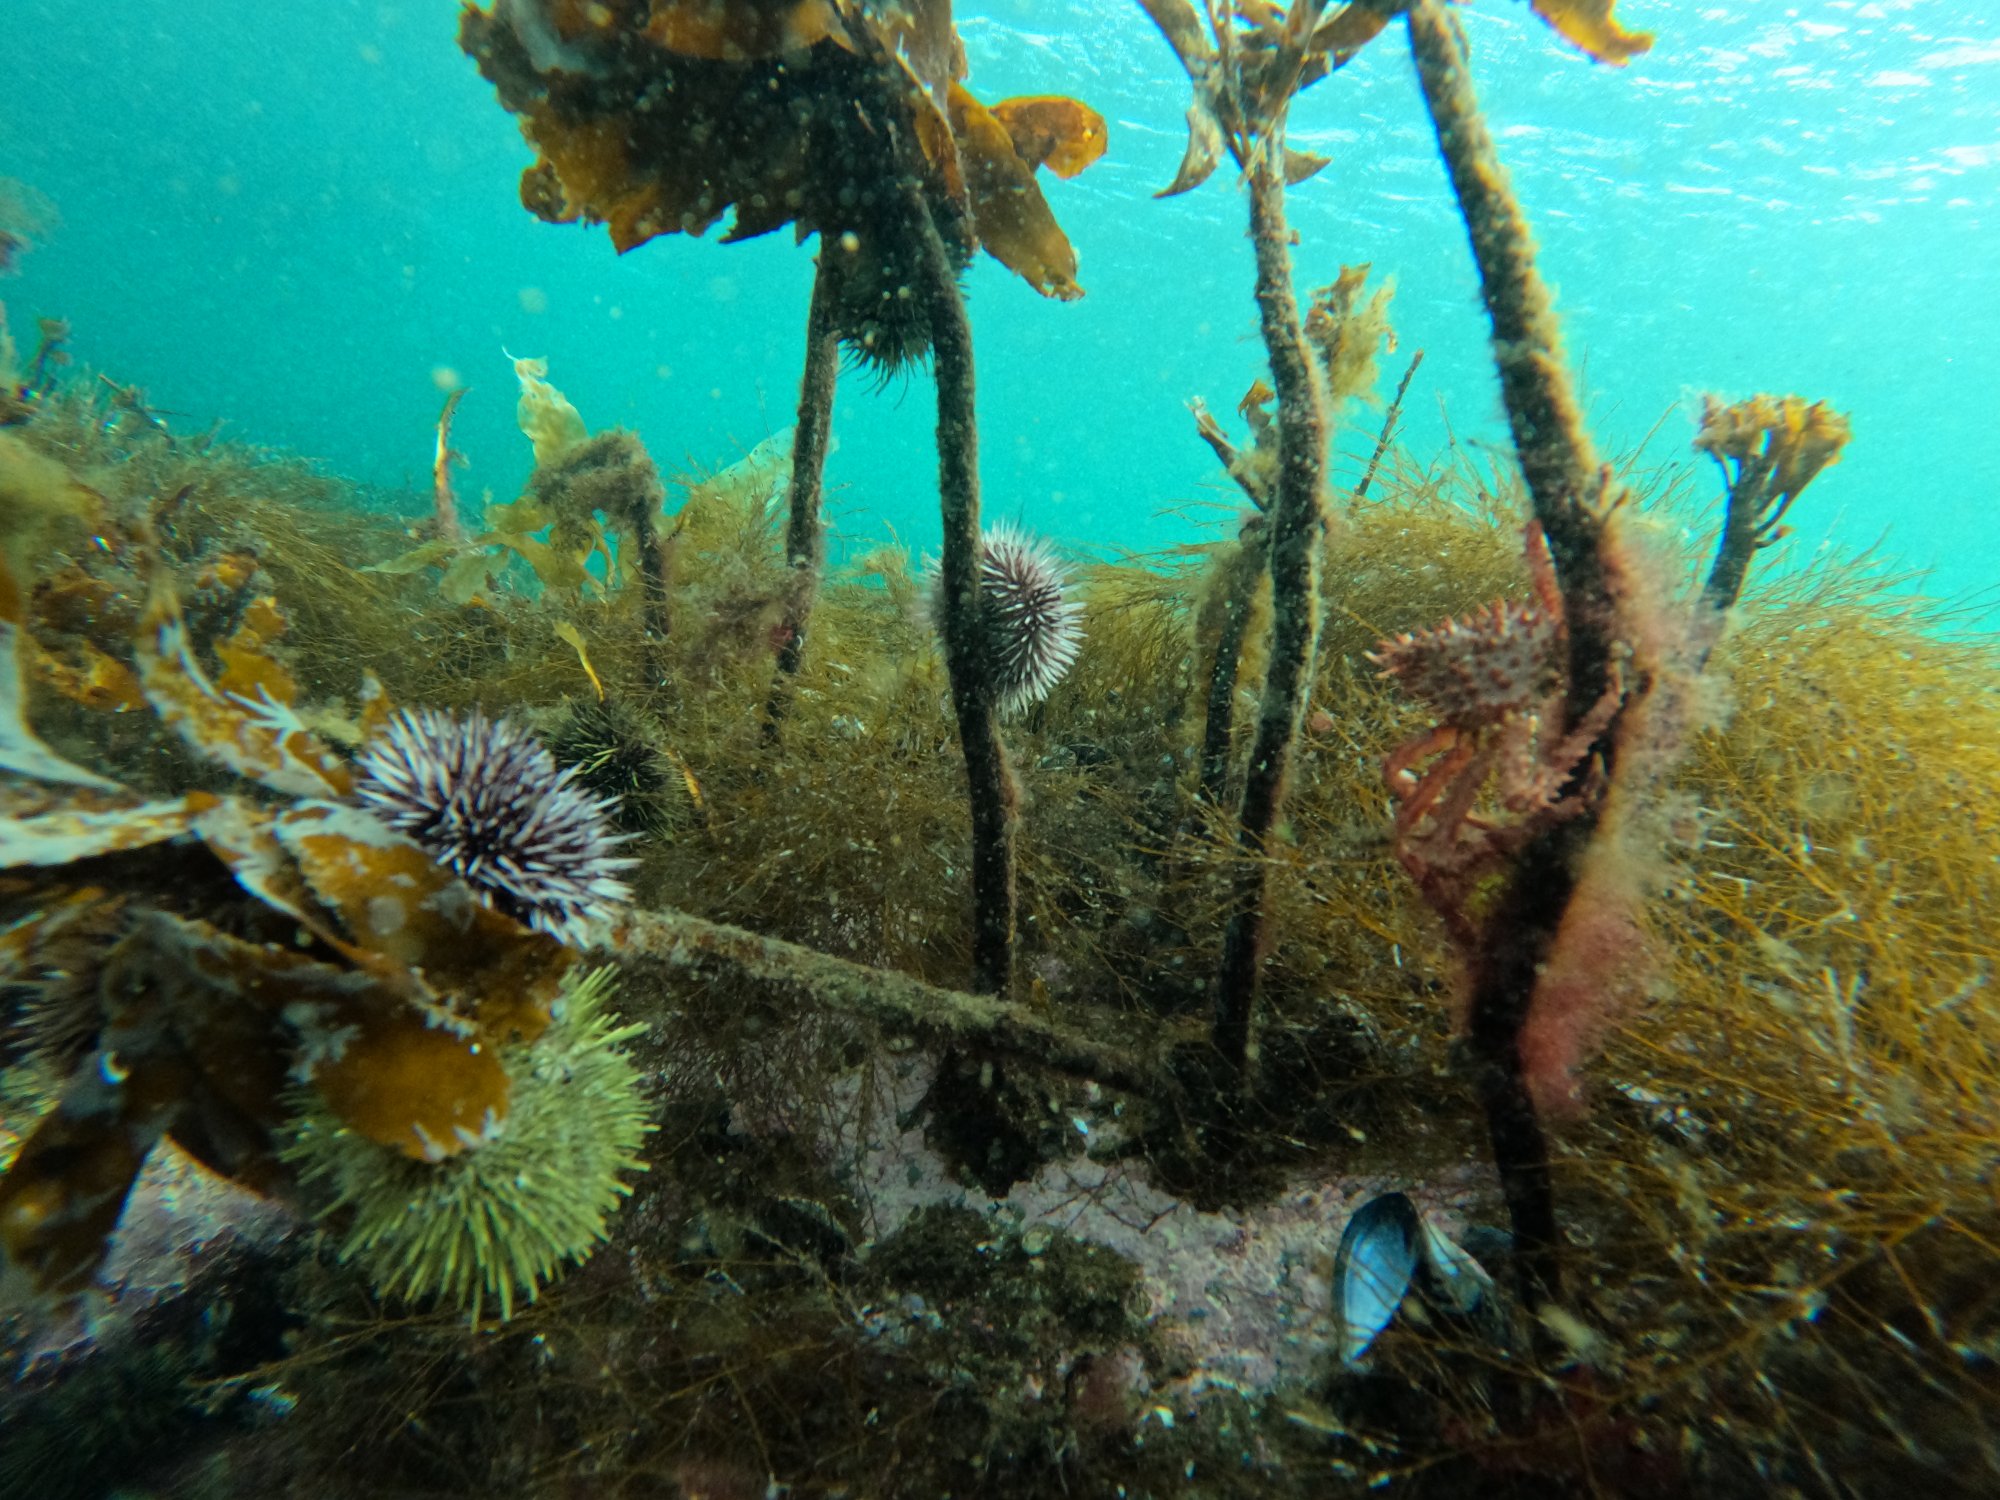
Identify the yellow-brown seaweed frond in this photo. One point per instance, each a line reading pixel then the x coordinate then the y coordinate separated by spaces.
pixel 255 734
pixel 783 112
pixel 1588 25
pixel 652 141
pixel 309 943
pixel 546 417
pixel 1591 26
pixel 1793 439
pixel 583 491
pixel 1008 210
pixel 36 491
pixel 1065 135
pixel 740 30
pixel 638 127
pixel 1803 1145
pixel 1349 334
pixel 1248 61
pixel 21 751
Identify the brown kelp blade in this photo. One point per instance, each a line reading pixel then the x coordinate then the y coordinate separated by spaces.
pixel 1299 165
pixel 1181 24
pixel 20 750
pixel 1050 130
pixel 261 737
pixel 739 30
pixel 1185 33
pixel 1270 87
pixel 1350 28
pixel 1591 26
pixel 1204 150
pixel 86 825
pixel 1009 213
pixel 62 1196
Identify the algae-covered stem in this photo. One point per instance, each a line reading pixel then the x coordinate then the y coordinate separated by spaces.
pixel 1566 486
pixel 1746 522
pixel 1238 582
pixel 989 781
pixel 1564 478
pixel 655 544
pixel 805 531
pixel 668 948
pixel 1296 524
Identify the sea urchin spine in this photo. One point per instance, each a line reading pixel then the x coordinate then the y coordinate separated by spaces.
pixel 487 801
pixel 494 1225
pixel 1029 627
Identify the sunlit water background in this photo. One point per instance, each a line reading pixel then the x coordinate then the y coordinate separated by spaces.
pixel 302 219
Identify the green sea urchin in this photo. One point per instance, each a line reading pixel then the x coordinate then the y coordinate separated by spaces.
pixel 498 1222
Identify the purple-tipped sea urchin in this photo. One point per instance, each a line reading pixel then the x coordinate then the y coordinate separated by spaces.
pixel 485 800
pixel 1030 628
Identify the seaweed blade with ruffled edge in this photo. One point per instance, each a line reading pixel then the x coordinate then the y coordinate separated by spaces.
pixel 500 1220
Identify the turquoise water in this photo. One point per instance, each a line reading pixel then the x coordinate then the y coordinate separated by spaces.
pixel 301 219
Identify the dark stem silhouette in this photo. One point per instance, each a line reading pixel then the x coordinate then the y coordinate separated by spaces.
pixel 1295 527
pixel 1566 486
pixel 1388 434
pixel 1240 576
pixel 805 530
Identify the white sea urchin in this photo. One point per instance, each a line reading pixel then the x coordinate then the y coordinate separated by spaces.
pixel 487 801
pixel 1029 626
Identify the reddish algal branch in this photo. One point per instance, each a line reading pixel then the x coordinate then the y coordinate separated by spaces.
pixel 1567 488
pixel 443 497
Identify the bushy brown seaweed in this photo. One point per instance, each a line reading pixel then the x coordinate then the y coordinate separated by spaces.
pixel 1838 809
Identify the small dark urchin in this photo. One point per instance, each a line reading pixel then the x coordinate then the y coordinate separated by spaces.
pixel 485 800
pixel 614 753
pixel 1030 628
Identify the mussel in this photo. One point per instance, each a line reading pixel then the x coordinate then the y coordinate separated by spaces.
pixel 1389 1245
